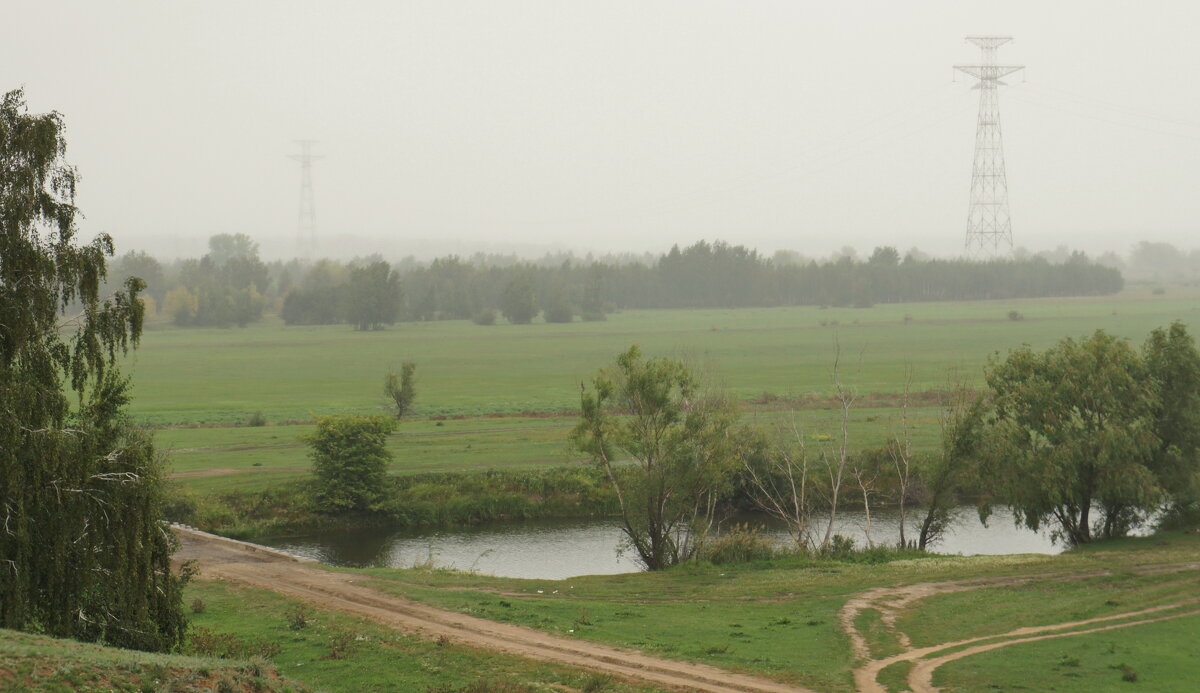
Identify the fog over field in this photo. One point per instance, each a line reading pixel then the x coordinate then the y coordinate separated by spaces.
pixel 620 126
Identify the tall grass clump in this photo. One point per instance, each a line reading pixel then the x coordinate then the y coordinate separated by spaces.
pixel 742 543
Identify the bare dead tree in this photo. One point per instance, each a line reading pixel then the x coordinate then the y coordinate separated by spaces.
pixel 837 471
pixel 900 451
pixel 782 485
pixel 865 469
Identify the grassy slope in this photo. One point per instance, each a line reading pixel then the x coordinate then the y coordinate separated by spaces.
pixel 34 662
pixel 294 373
pixel 781 619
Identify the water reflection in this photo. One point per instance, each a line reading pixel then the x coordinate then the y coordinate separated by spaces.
pixel 556 549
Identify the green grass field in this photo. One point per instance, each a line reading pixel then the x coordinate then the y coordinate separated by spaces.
pixel 482 383
pixel 1159 655
pixel 251 458
pixel 221 376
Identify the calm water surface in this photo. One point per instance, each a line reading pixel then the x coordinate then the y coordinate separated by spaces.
pixel 556 549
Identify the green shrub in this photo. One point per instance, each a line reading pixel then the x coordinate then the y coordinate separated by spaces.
pixel 350 458
pixel 208 643
pixel 487 316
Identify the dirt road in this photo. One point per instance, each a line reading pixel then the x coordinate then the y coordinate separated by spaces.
pixel 224 559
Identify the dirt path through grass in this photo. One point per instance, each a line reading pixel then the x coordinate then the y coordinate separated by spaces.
pixel 891 602
pixel 225 559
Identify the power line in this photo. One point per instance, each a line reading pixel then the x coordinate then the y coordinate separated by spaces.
pixel 989 223
pixel 306 233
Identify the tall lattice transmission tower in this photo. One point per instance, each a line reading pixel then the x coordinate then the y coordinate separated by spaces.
pixel 306 234
pixel 989 224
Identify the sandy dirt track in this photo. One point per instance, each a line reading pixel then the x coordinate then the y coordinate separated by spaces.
pixel 224 559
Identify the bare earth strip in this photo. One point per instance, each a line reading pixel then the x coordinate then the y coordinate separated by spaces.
pixel 224 559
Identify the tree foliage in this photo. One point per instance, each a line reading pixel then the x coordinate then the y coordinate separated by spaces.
pixel 683 445
pixel 373 296
pixel 350 458
pixel 1077 428
pixel 518 302
pixel 401 388
pixel 366 295
pixel 721 275
pixel 83 551
pixel 223 288
pixel 1173 366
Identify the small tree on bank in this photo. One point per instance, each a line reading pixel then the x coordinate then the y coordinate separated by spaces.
pixel 1069 430
pixel 350 458
pixel 682 445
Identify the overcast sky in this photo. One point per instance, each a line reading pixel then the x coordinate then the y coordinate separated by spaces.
pixel 613 125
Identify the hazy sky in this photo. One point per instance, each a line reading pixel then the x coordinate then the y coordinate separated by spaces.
pixel 613 125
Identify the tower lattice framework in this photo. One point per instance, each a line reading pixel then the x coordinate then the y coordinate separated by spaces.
pixel 989 222
pixel 306 234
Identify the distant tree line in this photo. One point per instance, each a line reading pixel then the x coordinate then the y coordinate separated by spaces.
pixel 717 275
pixel 230 285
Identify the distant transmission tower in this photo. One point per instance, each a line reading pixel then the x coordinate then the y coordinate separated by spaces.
pixel 306 234
pixel 989 225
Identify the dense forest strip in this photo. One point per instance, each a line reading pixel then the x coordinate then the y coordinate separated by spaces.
pixel 231 285
pixel 224 559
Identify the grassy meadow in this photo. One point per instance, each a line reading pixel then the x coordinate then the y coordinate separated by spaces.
pixel 222 376
pixel 250 458
pixel 502 396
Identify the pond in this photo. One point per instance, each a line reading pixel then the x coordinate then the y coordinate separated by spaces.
pixel 557 549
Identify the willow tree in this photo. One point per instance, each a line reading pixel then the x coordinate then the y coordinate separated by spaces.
pixel 681 444
pixel 83 551
pixel 1069 431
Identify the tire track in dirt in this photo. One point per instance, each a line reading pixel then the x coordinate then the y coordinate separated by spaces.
pixel 891 601
pixel 920 678
pixel 225 559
